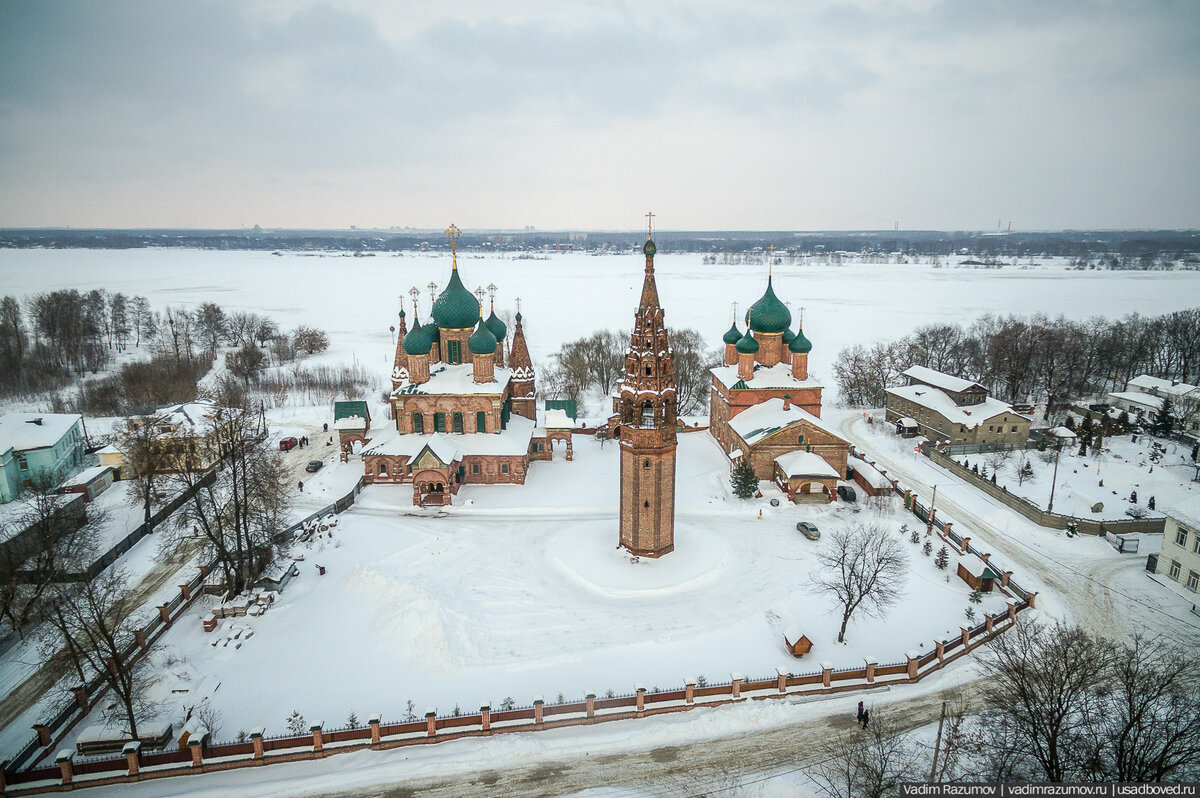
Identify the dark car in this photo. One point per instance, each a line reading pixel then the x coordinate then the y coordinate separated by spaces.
pixel 809 531
pixel 1098 407
pixel 313 466
pixel 847 494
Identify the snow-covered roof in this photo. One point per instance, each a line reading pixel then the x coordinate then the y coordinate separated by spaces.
pixel 868 472
pixel 558 419
pixel 87 475
pixel 768 417
pixel 350 422
pixel 907 421
pixel 444 449
pixel 188 416
pixel 939 402
pixel 511 441
pixel 110 449
pixel 1062 432
pixel 805 464
pixel 777 376
pixel 1146 400
pixel 975 566
pixel 1171 388
pixel 456 380
pixel 937 379
pixel 24 431
pixel 1187 512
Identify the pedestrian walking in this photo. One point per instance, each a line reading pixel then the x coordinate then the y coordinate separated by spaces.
pixel 327 426
pixel 866 717
pixel 300 486
pixel 860 711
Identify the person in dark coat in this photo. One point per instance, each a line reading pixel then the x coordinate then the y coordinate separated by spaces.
pixel 866 716
pixel 860 711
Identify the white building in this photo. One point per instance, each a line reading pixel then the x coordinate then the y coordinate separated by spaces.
pixel 1180 556
pixel 1144 396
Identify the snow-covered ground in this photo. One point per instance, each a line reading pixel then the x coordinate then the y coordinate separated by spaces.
pixel 1123 465
pixel 522 591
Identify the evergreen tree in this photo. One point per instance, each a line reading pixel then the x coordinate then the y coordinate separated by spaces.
pixel 295 724
pixel 942 559
pixel 914 536
pixel 352 720
pixel 743 480
pixel 976 596
pixel 1164 420
pixel 927 549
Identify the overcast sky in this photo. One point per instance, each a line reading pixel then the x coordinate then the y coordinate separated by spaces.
pixel 788 115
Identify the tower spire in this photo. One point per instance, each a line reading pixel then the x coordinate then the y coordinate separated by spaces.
pixel 649 287
pixel 453 232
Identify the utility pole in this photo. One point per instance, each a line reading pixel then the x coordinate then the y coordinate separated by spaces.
pixel 1054 479
pixel 937 745
pixel 929 520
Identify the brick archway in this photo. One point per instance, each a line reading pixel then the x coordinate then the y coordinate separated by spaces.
pixel 563 435
pixel 432 487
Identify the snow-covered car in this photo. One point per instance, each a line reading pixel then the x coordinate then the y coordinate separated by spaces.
pixel 846 493
pixel 313 466
pixel 809 531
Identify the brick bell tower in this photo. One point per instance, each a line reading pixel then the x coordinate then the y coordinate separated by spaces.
pixel 646 408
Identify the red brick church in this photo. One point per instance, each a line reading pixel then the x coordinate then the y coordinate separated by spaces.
pixel 463 409
pixel 765 406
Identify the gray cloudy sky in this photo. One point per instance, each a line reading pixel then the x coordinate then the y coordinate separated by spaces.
pixel 771 115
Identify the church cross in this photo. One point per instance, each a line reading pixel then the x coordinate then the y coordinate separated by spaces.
pixel 649 225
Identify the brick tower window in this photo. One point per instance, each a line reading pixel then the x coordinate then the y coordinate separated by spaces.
pixel 645 464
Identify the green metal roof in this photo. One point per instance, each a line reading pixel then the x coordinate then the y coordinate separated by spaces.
pixel 456 308
pixel 732 335
pixel 418 340
pixel 768 314
pixel 347 409
pixel 482 341
pixel 747 345
pixel 800 345
pixel 498 327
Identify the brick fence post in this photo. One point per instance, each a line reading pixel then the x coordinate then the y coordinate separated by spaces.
pixel 641 698
pixel 373 722
pixel 1005 577
pixel 736 678
pixel 43 734
pixel 197 749
pixel 941 650
pixel 65 768
pixel 914 661
pixel 430 722
pixel 81 698
pixel 538 704
pixel 947 527
pixel 871 662
pixel 316 727
pixel 256 738
pixel 1031 597
pixel 826 673
pixel 966 636
pixel 203 571
pixel 989 621
pixel 689 690
pixel 485 717
pixel 1012 609
pixel 140 636
pixel 781 677
pixel 133 756
pixel 186 591
pixel 965 545
pixel 165 614
pixel 591 703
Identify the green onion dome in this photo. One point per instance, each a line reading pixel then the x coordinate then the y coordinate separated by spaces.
pixel 733 336
pixel 498 328
pixel 482 342
pixel 747 345
pixel 800 345
pixel 456 308
pixel 770 315
pixel 418 340
pixel 788 336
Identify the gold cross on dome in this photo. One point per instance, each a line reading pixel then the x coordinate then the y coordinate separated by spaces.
pixel 453 232
pixel 479 292
pixel 770 258
pixel 649 225
pixel 518 304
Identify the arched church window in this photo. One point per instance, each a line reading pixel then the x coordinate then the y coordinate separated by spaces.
pixel 383 469
pixel 646 504
pixel 645 464
pixel 647 415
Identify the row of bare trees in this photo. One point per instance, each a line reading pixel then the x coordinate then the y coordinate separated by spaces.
pixel 1037 358
pixel 597 362
pixel 1055 704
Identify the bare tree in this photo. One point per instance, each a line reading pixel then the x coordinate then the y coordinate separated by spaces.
pixel 862 567
pixel 146 448
pixel 870 764
pixel 97 621
pixel 691 364
pixel 310 339
pixel 210 319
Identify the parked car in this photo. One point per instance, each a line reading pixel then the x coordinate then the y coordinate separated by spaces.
pixel 847 494
pixel 1098 407
pixel 809 531
pixel 287 444
pixel 313 466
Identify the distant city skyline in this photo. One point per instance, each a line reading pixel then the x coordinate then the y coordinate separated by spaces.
pixel 763 116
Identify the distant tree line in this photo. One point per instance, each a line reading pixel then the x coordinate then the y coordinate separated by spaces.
pixel 1039 357
pixel 597 362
